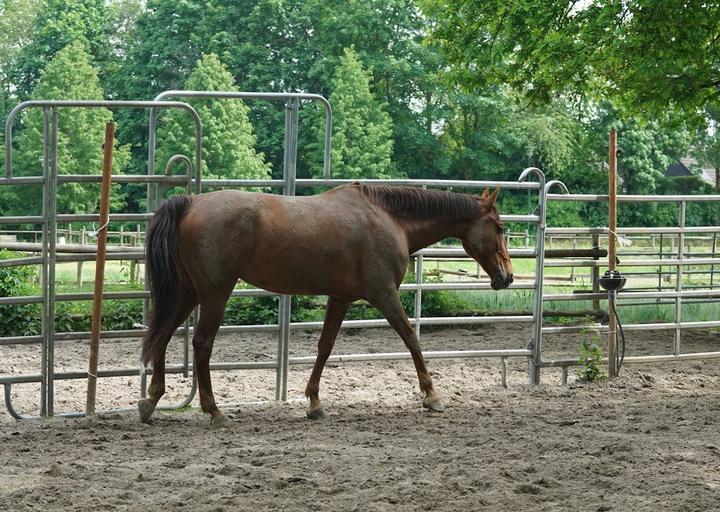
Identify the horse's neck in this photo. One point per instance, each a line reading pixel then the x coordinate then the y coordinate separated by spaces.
pixel 422 233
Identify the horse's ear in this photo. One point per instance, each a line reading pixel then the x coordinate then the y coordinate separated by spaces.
pixel 485 194
pixel 494 195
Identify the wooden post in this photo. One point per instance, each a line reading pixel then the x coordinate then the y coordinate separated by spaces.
pixel 100 268
pixel 612 244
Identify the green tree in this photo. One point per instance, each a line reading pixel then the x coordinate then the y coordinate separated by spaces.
pixel 478 139
pixel 706 144
pixel 122 17
pixel 647 148
pixel 648 54
pixel 69 75
pixel 295 45
pixel 362 131
pixel 491 135
pixel 16 20
pixel 228 138
pixel 58 24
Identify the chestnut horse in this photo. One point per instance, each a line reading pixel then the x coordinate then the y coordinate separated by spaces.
pixel 349 243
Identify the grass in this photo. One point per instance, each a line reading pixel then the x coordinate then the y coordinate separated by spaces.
pixel 116 272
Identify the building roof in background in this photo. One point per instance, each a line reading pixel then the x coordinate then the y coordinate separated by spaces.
pixel 685 167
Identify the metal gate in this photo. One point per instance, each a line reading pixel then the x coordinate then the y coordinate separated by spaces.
pixel 193 183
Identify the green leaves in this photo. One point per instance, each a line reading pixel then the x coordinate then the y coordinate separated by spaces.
pixel 20 319
pixel 517 83
pixel 590 358
pixel 69 75
pixel 646 55
pixel 228 137
pixel 362 131
pixel 60 23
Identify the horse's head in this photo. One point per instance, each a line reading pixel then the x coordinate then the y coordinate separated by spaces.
pixel 485 242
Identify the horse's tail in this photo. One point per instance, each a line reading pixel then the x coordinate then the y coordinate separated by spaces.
pixel 165 269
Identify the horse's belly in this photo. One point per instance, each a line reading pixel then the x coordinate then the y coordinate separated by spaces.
pixel 293 275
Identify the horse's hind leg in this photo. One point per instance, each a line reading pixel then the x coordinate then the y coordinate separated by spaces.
pixel 156 389
pixel 211 315
pixel 334 314
pixel 389 304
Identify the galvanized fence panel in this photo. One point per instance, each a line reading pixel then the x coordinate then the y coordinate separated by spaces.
pixel 678 259
pixel 193 182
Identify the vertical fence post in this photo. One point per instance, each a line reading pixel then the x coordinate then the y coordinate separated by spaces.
pixel 134 241
pixel 596 273
pixel 47 319
pixel 660 270
pixel 536 341
pixel 679 276
pixel 572 269
pixel 612 245
pixel 100 269
pixel 292 107
pixel 418 293
pixel 79 277
pixel 50 359
pixel 714 255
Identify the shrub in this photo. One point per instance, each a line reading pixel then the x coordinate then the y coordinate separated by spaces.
pixel 17 319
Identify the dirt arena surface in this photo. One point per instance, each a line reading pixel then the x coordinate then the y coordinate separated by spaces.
pixel 647 441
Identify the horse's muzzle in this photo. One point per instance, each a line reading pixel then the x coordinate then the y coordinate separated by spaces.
pixel 501 280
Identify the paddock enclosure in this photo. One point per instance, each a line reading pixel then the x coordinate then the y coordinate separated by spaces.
pixel 520 430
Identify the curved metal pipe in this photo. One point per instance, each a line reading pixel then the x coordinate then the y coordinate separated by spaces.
pixel 81 103
pixel 550 184
pixel 9 406
pixel 178 158
pixel 188 399
pixel 532 170
pixel 279 96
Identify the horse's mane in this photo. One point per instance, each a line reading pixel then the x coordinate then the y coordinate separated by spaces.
pixel 415 203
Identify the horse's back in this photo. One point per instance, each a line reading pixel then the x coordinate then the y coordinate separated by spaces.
pixel 318 244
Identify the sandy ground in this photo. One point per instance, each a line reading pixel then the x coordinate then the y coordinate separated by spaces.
pixel 648 440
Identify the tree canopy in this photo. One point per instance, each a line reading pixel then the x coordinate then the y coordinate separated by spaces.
pixel 648 55
pixel 69 75
pixel 362 130
pixel 420 88
pixel 228 138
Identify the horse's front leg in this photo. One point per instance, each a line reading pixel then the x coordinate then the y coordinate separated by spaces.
pixel 334 314
pixel 211 315
pixel 388 302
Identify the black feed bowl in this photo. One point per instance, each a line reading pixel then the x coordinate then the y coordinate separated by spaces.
pixel 612 280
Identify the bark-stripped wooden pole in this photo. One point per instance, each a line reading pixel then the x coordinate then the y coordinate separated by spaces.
pixel 612 245
pixel 100 269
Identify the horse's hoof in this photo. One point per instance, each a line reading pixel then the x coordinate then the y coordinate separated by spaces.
pixel 219 421
pixel 145 408
pixel 316 414
pixel 435 405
